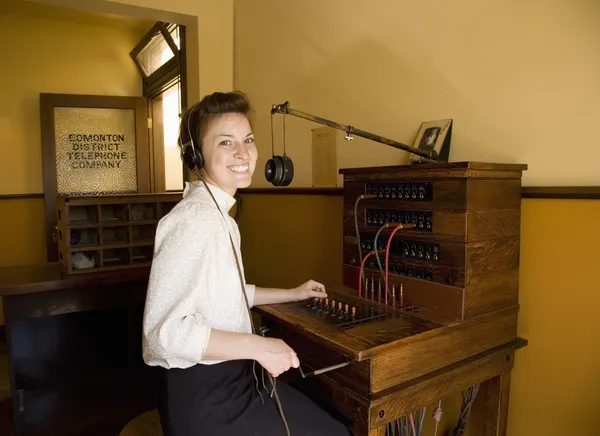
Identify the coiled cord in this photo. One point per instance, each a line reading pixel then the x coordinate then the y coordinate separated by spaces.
pixel 437 416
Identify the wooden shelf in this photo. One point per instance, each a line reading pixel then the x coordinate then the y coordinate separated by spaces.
pixel 107 233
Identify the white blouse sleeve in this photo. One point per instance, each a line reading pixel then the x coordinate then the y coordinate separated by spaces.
pixel 179 281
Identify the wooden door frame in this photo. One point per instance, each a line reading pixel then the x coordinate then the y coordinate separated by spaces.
pixel 157 151
pixel 50 101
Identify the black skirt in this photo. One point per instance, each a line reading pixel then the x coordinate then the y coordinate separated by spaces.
pixel 222 399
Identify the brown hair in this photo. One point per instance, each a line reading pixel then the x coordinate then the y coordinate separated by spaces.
pixel 196 119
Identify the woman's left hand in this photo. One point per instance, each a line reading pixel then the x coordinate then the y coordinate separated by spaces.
pixel 310 289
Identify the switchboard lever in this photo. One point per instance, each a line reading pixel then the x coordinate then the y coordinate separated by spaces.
pixel 322 370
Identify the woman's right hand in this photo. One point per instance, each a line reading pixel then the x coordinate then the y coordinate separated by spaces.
pixel 276 356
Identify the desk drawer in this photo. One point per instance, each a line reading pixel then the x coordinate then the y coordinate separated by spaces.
pixel 314 355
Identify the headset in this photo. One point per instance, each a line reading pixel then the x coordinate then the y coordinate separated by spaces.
pixel 191 156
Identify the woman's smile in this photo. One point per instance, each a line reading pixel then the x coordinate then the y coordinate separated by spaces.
pixel 240 169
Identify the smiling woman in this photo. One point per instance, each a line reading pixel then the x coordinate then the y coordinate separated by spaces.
pixel 217 139
pixel 229 153
pixel 197 321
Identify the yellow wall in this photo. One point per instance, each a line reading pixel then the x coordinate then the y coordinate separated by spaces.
pixel 57 52
pixel 61 52
pixel 209 27
pixel 557 374
pixel 22 233
pixel 520 79
pixel 212 40
pixel 300 235
pixel 555 382
pixel 48 49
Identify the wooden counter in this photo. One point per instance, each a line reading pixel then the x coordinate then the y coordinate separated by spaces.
pixel 47 277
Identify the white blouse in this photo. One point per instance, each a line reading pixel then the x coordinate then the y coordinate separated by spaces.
pixel 194 283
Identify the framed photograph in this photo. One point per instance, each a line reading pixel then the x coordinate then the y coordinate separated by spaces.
pixel 433 135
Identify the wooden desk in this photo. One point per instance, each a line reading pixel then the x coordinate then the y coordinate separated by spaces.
pixel 74 348
pixel 76 366
pixel 399 363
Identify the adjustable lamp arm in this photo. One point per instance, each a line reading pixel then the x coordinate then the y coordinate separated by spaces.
pixel 284 108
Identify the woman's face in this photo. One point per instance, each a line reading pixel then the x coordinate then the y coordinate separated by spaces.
pixel 229 152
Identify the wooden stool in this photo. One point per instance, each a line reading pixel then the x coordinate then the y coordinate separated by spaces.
pixel 146 424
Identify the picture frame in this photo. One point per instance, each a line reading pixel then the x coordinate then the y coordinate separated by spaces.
pixel 433 135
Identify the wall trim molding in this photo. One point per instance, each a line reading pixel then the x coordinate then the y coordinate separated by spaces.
pixel 562 192
pixel 21 196
pixel 293 191
pixel 555 192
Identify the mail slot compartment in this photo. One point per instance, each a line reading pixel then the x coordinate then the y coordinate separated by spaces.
pixel 315 356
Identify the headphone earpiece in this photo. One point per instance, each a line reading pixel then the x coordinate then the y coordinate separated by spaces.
pixel 279 170
pixel 192 157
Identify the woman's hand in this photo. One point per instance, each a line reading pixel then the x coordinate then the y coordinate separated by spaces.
pixel 276 356
pixel 310 289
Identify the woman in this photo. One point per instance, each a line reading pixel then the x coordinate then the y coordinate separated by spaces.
pixel 196 318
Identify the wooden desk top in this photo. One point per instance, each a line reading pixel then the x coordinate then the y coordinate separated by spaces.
pixel 391 333
pixel 358 342
pixel 28 279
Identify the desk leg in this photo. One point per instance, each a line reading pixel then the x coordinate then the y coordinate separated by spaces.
pixel 496 405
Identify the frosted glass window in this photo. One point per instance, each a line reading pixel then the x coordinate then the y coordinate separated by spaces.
pixel 155 54
pixel 95 151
